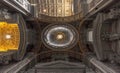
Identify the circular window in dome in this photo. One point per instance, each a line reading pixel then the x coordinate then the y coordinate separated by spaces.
pixel 59 36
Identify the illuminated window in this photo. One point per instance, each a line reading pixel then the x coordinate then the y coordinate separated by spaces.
pixel 9 36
